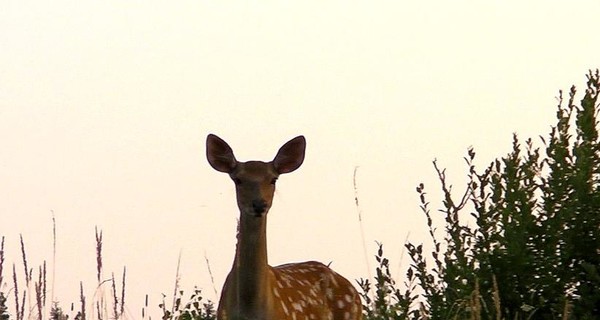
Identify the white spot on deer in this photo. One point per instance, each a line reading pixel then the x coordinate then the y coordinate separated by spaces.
pixel 297 306
pixel 340 304
pixel 285 309
pixel 329 293
pixel 303 302
pixel 348 298
pixel 302 298
pixel 347 315
pixel 329 314
pixel 333 281
pixel 276 292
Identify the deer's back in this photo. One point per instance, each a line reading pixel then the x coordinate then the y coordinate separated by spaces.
pixel 311 290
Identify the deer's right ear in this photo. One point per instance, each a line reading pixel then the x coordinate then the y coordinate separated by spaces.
pixel 219 154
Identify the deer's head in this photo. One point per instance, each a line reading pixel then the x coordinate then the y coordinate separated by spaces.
pixel 255 180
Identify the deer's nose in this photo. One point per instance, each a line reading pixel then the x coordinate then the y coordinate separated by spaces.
pixel 259 206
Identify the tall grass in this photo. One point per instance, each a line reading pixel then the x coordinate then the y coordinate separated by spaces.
pixel 30 286
pixel 29 289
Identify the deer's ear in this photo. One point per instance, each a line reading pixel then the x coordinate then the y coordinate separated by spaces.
pixel 290 156
pixel 219 154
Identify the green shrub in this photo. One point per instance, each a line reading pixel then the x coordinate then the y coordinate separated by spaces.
pixel 521 242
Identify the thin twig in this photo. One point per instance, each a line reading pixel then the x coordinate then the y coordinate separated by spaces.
pixel 496 296
pixel 402 253
pixel 362 229
pixel 212 279
pixel 176 288
pixel 53 257
pixel 566 310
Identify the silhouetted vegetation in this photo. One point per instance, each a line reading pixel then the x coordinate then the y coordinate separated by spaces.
pixel 29 292
pixel 194 309
pixel 521 242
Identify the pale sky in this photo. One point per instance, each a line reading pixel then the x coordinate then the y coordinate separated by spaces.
pixel 105 107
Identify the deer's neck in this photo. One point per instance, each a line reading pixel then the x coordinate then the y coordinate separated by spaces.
pixel 251 269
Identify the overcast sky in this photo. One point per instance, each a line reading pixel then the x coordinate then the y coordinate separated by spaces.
pixel 105 107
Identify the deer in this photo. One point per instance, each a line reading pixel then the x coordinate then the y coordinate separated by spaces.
pixel 253 290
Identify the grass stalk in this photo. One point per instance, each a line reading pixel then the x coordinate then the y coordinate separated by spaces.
pixel 16 291
pixel 53 259
pixel 82 300
pixel 176 288
pixel 98 255
pixel 39 294
pixel 362 228
pixel 115 299
pixel 26 269
pixel 1 261
pixel 212 278
pixel 123 291
pixel 44 287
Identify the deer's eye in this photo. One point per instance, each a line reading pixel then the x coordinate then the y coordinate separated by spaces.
pixel 274 180
pixel 237 181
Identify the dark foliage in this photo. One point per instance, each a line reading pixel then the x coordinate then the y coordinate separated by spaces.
pixel 194 309
pixel 522 241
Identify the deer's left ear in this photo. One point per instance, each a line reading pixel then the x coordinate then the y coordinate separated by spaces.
pixel 290 156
